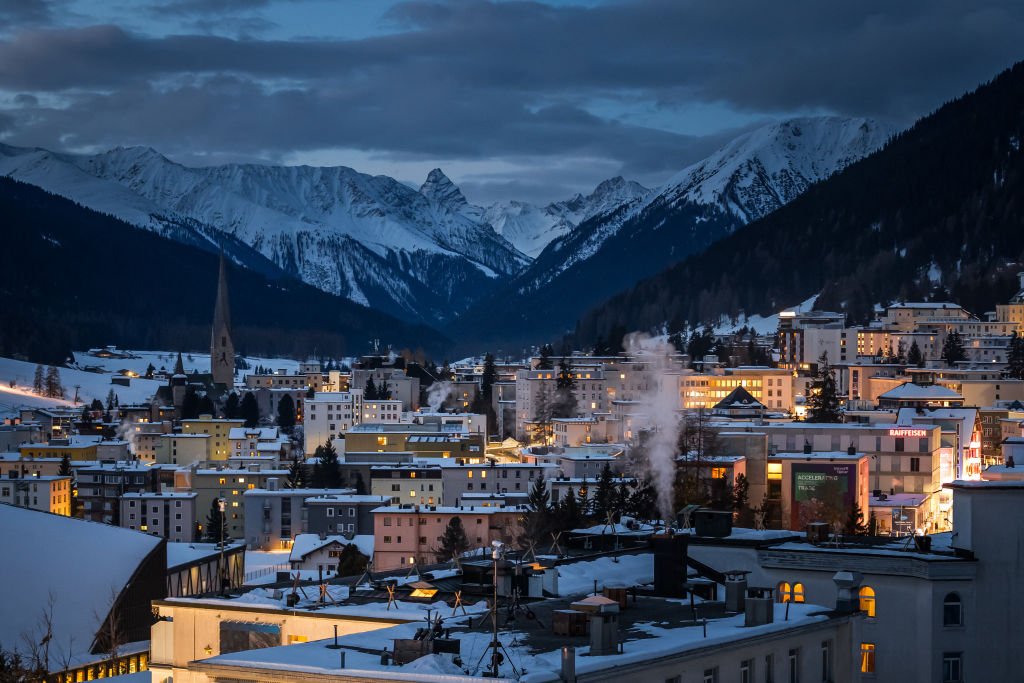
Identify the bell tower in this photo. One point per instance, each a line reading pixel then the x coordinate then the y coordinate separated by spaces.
pixel 222 350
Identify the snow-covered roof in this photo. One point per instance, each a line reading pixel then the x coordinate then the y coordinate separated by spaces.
pixel 187 553
pixel 908 391
pixel 260 433
pixel 39 564
pixel 287 492
pixel 447 509
pixel 304 544
pixel 817 455
pixel 348 498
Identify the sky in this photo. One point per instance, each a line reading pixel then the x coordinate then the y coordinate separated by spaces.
pixel 514 100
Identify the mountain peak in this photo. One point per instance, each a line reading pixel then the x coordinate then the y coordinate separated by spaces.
pixel 439 188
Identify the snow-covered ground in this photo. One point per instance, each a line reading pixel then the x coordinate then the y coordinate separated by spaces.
pixel 16 377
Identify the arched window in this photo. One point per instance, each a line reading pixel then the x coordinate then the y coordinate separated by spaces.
pixel 952 610
pixel 867 600
pixel 790 592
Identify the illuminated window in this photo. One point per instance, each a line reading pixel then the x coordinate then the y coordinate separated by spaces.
pixel 293 638
pixel 483 474
pixel 222 481
pixel 412 475
pixel 382 441
pixel 867 600
pixel 718 472
pixel 775 470
pixel 241 480
pixel 790 592
pixel 412 494
pixel 867 658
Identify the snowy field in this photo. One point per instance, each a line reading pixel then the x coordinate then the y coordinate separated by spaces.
pixel 16 377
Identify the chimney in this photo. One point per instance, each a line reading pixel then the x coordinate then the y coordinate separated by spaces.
pixel 759 607
pixel 735 590
pixel 272 484
pixel 852 450
pixel 669 565
pixel 807 447
pixel 568 664
pixel 847 583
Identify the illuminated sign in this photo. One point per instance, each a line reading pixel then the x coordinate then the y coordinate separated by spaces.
pixel 900 432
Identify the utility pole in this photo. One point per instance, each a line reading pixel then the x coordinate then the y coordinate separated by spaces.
pixel 221 505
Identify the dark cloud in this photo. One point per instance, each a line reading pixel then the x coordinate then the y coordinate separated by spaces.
pixel 21 12
pixel 493 80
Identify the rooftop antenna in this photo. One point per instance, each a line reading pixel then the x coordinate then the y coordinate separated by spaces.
pixel 498 652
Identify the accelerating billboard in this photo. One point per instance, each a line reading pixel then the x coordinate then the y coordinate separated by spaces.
pixel 822 493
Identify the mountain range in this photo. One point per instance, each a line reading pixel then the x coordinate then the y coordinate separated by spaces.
pixel 427 254
pixel 934 215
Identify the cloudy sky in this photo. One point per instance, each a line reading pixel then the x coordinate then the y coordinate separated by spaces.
pixel 533 100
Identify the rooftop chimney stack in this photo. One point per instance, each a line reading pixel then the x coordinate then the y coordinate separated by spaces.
pixel 736 591
pixel 759 607
pixel 847 586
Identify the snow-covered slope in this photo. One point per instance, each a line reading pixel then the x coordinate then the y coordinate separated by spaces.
pixel 746 179
pixel 531 228
pixel 760 171
pixel 368 238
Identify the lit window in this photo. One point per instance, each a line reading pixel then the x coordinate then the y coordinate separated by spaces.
pixel 790 592
pixel 867 600
pixel 867 658
pixel 775 470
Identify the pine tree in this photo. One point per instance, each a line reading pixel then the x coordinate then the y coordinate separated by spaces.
pixel 286 414
pixel 215 523
pixel 351 562
pixel 604 495
pixel 741 502
pixel 542 414
pixel 545 362
pixel 149 371
pixel 1015 357
pixel 914 356
pixel 250 410
pixel 54 388
pixel 296 475
pixel 564 403
pixel 96 406
pixel 953 349
pixel 231 406
pixel 370 392
pixel 110 400
pixel 206 406
pixel 823 402
pixel 65 466
pixel 38 383
pixel 569 514
pixel 453 542
pixel 327 469
pixel 190 404
pixel 360 486
pixel 855 522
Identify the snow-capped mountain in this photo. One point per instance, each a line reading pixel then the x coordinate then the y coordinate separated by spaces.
pixel 748 178
pixel 531 228
pixel 760 171
pixel 368 238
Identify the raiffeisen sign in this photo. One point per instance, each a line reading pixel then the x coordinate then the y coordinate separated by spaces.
pixel 902 432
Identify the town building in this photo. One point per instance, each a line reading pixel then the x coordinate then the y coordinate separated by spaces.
pixel 168 514
pixel 218 430
pixel 212 483
pixel 348 514
pixel 275 516
pixel 45 493
pixel 330 415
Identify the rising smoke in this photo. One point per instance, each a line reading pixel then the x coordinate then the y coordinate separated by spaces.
pixel 437 394
pixel 660 403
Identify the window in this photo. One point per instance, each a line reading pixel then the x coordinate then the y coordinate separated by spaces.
pixel 790 592
pixel 952 667
pixel 867 658
pixel 952 610
pixel 330 512
pixel 794 665
pixel 387 539
pixel 915 464
pixel 900 445
pixel 867 600
pixel 769 669
pixel 826 661
pixel 711 675
pixel 747 671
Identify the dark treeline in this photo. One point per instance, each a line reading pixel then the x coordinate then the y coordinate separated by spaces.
pixel 949 191
pixel 71 278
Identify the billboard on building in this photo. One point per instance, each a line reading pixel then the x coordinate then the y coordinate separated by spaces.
pixel 822 493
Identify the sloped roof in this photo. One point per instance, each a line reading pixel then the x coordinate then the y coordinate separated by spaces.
pixel 305 544
pixel 738 398
pixel 908 391
pixel 81 565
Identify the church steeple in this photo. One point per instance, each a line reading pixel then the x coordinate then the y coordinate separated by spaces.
pixel 222 350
